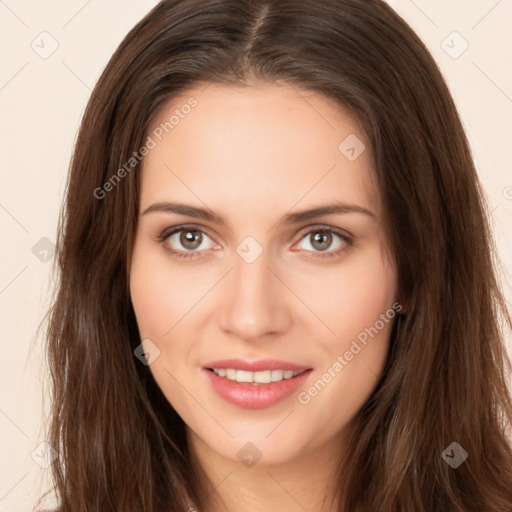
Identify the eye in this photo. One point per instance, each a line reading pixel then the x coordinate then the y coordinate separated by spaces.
pixel 321 239
pixel 188 241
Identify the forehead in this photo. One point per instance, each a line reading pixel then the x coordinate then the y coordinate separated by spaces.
pixel 270 145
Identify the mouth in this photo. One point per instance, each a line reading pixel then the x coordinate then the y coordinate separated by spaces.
pixel 255 384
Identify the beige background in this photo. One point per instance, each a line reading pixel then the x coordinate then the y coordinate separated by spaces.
pixel 42 100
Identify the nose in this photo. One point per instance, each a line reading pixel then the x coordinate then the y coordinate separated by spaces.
pixel 255 301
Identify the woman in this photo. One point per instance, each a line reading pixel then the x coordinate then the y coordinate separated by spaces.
pixel 277 286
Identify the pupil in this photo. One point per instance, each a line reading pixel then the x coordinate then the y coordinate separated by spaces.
pixel 323 239
pixel 191 239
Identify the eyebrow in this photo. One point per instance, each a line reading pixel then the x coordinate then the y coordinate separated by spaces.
pixel 290 218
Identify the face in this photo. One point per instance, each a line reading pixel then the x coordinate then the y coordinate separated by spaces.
pixel 305 301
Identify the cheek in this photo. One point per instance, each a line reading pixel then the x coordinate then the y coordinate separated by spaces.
pixel 353 296
pixel 160 300
pixel 148 298
pixel 361 315
pixel 161 296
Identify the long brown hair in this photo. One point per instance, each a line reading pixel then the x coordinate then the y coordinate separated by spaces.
pixel 120 444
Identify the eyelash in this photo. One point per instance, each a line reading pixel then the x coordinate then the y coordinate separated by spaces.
pixel 189 255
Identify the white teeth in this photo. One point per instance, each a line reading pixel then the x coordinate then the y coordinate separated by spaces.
pixel 243 376
pixel 263 377
pixel 277 375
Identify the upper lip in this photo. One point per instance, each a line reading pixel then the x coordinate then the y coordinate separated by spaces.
pixel 256 366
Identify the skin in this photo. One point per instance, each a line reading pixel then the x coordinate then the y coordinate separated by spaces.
pixel 253 155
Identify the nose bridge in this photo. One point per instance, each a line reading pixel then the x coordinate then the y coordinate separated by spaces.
pixel 253 305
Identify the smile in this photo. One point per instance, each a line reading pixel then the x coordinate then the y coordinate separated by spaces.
pixel 248 393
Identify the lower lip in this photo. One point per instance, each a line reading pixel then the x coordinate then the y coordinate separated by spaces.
pixel 255 396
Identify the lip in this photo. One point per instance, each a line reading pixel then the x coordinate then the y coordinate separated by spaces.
pixel 255 396
pixel 255 366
